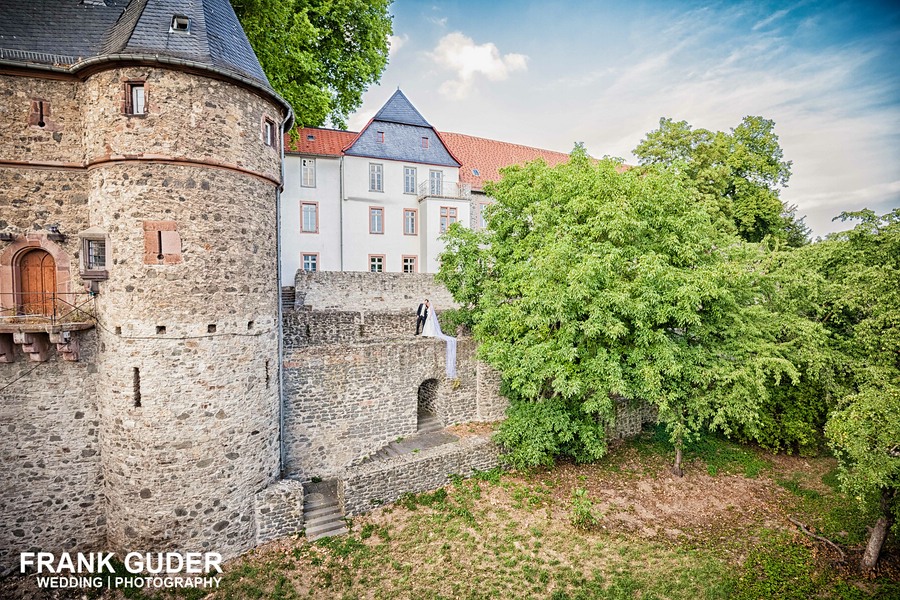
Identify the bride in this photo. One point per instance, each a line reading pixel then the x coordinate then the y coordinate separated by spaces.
pixel 433 329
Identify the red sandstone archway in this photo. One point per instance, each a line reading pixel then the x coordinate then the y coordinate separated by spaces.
pixel 12 285
pixel 37 277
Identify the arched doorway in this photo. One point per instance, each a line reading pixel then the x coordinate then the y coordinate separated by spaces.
pixel 37 283
pixel 428 419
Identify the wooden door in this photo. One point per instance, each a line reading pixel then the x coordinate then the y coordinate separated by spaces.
pixel 38 283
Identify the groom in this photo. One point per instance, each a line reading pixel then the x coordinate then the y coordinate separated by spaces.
pixel 421 316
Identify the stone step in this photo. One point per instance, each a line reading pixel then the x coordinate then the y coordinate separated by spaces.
pixel 340 529
pixel 312 514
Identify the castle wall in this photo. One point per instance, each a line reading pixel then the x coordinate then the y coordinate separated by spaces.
pixel 370 292
pixel 367 486
pixel 52 491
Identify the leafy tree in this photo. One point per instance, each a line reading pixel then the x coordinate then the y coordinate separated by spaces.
pixel 737 175
pixel 320 55
pixel 593 285
pixel 863 267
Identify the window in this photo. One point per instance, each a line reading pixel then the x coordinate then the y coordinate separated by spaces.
pixel 93 254
pixel 311 262
pixel 448 217
pixel 135 98
pixel 482 221
pixel 376 178
pixel 376 219
pixel 40 110
pixel 424 141
pixel 409 180
pixel 309 212
pixel 181 24
pixel 308 172
pixel 269 131
pixel 436 182
pixel 409 264
pixel 376 263
pixel 162 244
pixel 410 221
pixel 379 137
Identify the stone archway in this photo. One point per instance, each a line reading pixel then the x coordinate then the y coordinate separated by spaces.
pixel 427 413
pixel 11 262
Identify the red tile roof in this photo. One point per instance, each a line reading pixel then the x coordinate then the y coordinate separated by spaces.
pixel 487 157
pixel 319 141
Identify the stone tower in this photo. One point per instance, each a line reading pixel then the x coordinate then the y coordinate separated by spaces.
pixel 146 131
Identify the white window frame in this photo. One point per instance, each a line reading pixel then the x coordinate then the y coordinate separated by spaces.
pixel 376 177
pixel 311 258
pixel 436 183
pixel 409 180
pixel 414 260
pixel 308 172
pixel 303 213
pixel 376 260
pixel 376 220
pixel 449 215
pixel 414 230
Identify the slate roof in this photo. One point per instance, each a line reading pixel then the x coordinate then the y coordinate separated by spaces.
pixel 398 109
pixel 397 132
pixel 487 157
pixel 319 141
pixel 66 32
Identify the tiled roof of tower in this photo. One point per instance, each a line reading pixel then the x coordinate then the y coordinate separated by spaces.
pixel 482 158
pixel 318 141
pixel 64 33
pixel 398 109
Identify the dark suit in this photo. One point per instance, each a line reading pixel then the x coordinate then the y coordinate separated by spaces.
pixel 421 316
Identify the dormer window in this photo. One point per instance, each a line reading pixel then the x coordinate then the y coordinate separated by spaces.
pixel 180 24
pixel 424 142
pixel 379 137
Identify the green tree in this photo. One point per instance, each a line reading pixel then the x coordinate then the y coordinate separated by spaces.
pixel 320 55
pixel 863 316
pixel 737 175
pixel 594 285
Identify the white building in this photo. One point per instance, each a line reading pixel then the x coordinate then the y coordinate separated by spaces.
pixel 377 200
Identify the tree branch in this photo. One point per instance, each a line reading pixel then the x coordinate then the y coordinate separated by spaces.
pixel 817 537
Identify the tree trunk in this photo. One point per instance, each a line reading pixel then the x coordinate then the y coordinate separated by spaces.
pixel 879 533
pixel 676 470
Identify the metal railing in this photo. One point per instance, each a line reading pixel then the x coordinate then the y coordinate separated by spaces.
pixel 445 189
pixel 50 308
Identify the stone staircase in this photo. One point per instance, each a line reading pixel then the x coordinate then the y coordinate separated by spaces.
pixel 428 435
pixel 288 297
pixel 322 513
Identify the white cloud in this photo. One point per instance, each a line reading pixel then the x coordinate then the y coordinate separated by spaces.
pixel 466 59
pixel 771 19
pixel 395 42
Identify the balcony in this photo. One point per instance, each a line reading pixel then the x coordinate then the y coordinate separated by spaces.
pixel 37 321
pixel 444 189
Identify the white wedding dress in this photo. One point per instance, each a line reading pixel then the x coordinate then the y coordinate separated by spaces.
pixel 433 329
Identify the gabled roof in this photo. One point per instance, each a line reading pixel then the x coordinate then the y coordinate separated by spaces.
pixel 482 158
pixel 67 32
pixel 398 109
pixel 318 141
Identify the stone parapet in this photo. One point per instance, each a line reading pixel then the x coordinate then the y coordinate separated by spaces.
pixel 369 292
pixel 370 485
pixel 279 510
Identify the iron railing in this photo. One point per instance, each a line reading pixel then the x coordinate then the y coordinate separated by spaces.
pixel 445 189
pixel 51 308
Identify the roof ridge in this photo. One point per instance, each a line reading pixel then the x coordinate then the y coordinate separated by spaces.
pixel 478 137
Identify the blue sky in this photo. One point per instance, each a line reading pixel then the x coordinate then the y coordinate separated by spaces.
pixel 552 73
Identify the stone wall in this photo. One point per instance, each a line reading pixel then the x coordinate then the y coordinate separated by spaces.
pixel 369 292
pixel 279 510
pixel 369 485
pixel 52 491
pixel 630 418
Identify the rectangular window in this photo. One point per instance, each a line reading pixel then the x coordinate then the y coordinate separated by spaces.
pixel 448 217
pixel 376 178
pixel 311 262
pixel 376 263
pixel 379 137
pixel 409 180
pixel 95 256
pixel 482 221
pixel 269 132
pixel 410 221
pixel 135 98
pixel 376 219
pixel 436 183
pixel 308 172
pixel 424 142
pixel 409 264
pixel 310 217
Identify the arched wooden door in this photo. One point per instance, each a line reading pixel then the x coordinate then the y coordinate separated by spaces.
pixel 37 274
